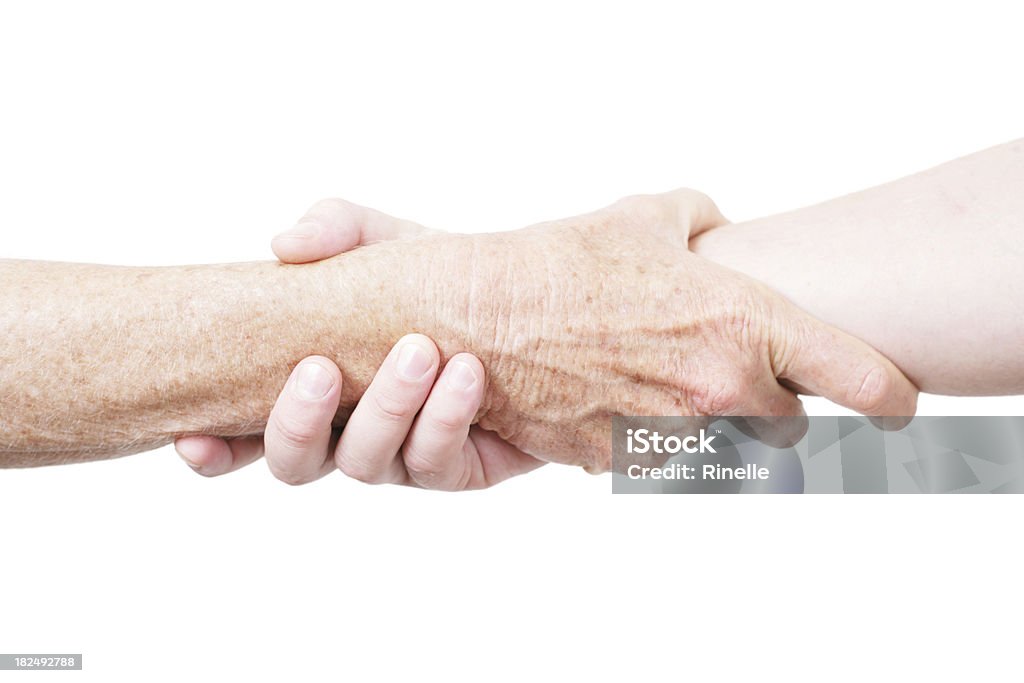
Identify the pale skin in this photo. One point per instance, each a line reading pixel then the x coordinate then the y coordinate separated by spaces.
pixel 574 321
pixel 725 357
pixel 926 269
pixel 911 242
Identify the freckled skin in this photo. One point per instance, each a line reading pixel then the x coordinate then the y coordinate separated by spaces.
pixel 575 321
pixel 610 314
pixel 125 359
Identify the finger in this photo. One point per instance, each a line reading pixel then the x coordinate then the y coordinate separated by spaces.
pixel 777 432
pixel 435 453
pixel 212 456
pixel 499 460
pixel 892 423
pixel 334 226
pixel 843 369
pixel 684 212
pixel 693 211
pixel 299 429
pixel 369 445
pixel 776 416
pixel 773 415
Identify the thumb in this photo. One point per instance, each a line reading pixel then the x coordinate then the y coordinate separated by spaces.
pixel 334 226
pixel 820 359
pixel 685 213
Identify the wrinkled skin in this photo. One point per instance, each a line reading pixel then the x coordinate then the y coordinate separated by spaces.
pixel 610 314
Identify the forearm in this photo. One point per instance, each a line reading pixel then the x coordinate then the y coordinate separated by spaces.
pixel 928 269
pixel 100 361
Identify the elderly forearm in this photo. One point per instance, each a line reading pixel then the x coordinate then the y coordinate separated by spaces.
pixel 927 269
pixel 574 321
pixel 100 361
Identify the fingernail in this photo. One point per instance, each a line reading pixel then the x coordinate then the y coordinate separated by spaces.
pixel 460 376
pixel 188 461
pixel 413 362
pixel 312 382
pixel 303 230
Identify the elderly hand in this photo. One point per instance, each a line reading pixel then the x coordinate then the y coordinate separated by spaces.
pixel 603 314
pixel 609 313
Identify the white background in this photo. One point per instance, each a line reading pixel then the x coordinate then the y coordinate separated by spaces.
pixel 193 133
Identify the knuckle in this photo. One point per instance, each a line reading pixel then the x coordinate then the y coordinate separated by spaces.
pixel 358 468
pixel 424 465
pixel 447 420
pixel 289 475
pixel 720 398
pixel 392 406
pixel 632 200
pixel 639 208
pixel 871 391
pixel 295 433
pixel 744 326
pixel 789 337
pixel 692 196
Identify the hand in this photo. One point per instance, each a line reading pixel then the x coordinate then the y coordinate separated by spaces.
pixel 406 429
pixel 609 314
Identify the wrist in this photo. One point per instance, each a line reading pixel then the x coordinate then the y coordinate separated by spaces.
pixel 354 307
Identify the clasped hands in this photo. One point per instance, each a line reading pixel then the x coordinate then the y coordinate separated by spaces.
pixel 536 338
